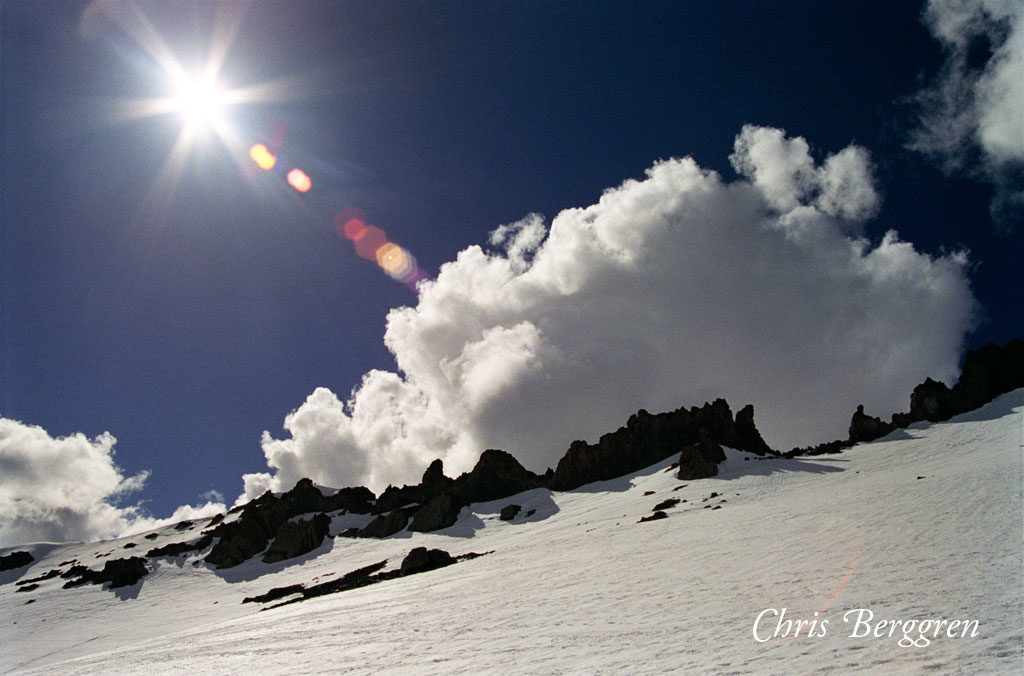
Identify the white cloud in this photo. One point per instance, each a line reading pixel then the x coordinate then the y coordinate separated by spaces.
pixel 141 524
pixel 60 489
pixel 68 488
pixel 977 107
pixel 671 290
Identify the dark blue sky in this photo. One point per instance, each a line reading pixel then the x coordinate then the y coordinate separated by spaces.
pixel 187 327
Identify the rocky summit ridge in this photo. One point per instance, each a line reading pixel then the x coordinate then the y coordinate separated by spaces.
pixel 273 525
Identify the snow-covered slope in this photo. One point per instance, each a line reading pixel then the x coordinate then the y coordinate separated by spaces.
pixel 925 524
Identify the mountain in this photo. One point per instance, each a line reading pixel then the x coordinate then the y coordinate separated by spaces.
pixel 921 524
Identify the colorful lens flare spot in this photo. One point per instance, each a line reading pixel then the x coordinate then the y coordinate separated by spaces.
pixel 298 179
pixel 263 158
pixel 372 243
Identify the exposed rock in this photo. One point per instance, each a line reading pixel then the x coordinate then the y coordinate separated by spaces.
pixel 15 560
pixel 183 525
pixel 124 572
pixel 384 525
pixel 441 512
pixel 653 517
pixel 305 498
pixel 867 428
pixel 931 401
pixel 421 559
pixel 700 461
pixel 152 536
pixel 179 548
pixel 295 538
pixel 49 575
pixel 509 512
pixel 647 438
pixel 249 534
pixel 28 587
pixel 987 373
pixel 275 594
pixel 666 504
pixel 433 484
pixel 434 481
pixel 496 475
pixel 118 572
pixel 261 518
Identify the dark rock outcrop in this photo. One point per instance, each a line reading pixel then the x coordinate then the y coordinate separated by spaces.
pixel 509 512
pixel 496 475
pixel 248 535
pixel 438 499
pixel 987 373
pixel 421 559
pixel 179 548
pixel 647 438
pixel 15 560
pixel 118 572
pixel 385 525
pixel 700 461
pixel 295 538
pixel 263 517
pixel 653 517
pixel 864 427
pixel 666 504
pixel 433 484
pixel 441 512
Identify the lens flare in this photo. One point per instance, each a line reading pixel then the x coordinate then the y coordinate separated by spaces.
pixel 372 243
pixel 394 260
pixel 263 158
pixel 368 241
pixel 298 179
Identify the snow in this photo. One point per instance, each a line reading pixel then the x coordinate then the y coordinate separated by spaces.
pixel 581 587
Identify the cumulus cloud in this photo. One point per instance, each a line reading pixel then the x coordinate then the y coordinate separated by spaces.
pixel 140 524
pixel 68 488
pixel 971 117
pixel 60 489
pixel 671 290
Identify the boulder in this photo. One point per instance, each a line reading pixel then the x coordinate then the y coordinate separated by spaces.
pixel 118 572
pixel 509 512
pixel 653 517
pixel 700 461
pixel 295 538
pixel 421 559
pixel 123 572
pixel 441 512
pixel 15 560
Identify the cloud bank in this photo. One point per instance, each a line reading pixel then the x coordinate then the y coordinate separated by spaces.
pixel 68 488
pixel 670 290
pixel 972 118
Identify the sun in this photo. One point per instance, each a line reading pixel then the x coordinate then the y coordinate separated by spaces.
pixel 200 101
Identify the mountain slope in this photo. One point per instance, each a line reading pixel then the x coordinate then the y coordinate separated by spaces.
pixel 580 587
